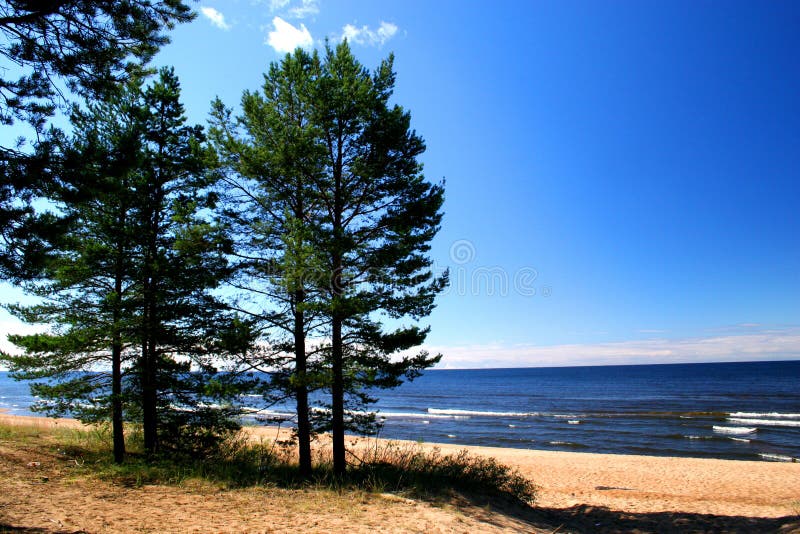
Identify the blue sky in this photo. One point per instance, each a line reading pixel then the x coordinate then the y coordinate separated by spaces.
pixel 622 177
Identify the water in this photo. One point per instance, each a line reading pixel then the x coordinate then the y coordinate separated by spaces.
pixel 747 411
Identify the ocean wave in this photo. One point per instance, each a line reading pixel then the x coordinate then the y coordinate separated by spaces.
pixel 476 413
pixel 743 440
pixel 573 422
pixel 733 429
pixel 764 422
pixel 413 415
pixel 271 413
pixel 771 415
pixel 777 457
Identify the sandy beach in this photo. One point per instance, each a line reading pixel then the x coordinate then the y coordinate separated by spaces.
pixel 645 490
pixel 641 483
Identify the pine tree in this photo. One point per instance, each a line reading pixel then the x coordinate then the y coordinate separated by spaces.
pixel 322 136
pixel 268 154
pixel 183 258
pixel 89 291
pixel 378 218
pixel 131 285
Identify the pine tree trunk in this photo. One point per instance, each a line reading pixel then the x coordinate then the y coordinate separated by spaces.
pixel 337 394
pixel 337 348
pixel 116 402
pixel 149 393
pixel 301 391
pixel 149 388
pixel 117 429
pixel 149 420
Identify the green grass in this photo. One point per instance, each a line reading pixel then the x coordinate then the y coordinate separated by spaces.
pixel 408 469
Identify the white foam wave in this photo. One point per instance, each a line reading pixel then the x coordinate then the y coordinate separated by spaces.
pixel 451 435
pixel 764 422
pixel 476 413
pixel 272 413
pixel 771 415
pixel 777 457
pixel 387 415
pixel 573 422
pixel 733 429
pixel 743 440
pixel 413 415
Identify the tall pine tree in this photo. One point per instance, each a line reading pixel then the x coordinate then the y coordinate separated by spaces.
pixel 89 289
pixel 378 218
pixel 269 154
pixel 131 286
pixel 322 136
pixel 183 259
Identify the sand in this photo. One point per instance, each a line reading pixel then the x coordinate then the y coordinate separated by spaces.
pixel 578 492
pixel 643 483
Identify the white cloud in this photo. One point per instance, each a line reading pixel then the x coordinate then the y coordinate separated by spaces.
pixel 306 9
pixel 301 10
pixel 779 344
pixel 285 38
pixel 216 18
pixel 365 36
pixel 276 5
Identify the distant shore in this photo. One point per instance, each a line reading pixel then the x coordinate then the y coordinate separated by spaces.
pixel 640 484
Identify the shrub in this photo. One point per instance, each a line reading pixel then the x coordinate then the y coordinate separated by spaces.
pixel 400 467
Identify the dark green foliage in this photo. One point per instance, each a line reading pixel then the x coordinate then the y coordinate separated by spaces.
pixel 196 408
pixel 337 219
pixel 267 155
pixel 376 222
pixel 130 284
pixel 90 45
pixel 27 237
pixel 49 46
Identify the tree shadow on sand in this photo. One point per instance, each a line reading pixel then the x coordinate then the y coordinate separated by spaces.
pixel 595 519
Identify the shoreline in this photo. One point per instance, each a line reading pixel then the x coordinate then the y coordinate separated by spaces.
pixel 630 483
